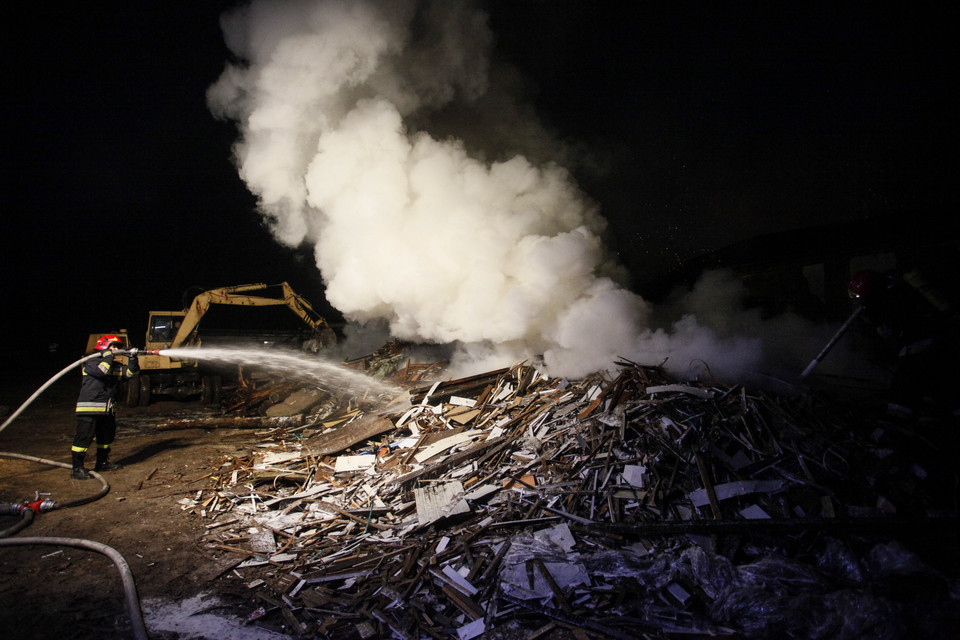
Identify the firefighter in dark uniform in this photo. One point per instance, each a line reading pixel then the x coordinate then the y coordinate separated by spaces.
pixel 96 413
pixel 921 327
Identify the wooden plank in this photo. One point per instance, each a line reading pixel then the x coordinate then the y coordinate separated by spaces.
pixel 361 429
pixel 298 402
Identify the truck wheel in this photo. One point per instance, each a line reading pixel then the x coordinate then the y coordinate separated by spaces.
pixel 210 389
pixel 132 392
pixel 144 390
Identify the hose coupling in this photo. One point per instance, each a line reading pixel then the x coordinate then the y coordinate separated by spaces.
pixel 42 506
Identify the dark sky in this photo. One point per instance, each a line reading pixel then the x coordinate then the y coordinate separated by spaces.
pixel 710 126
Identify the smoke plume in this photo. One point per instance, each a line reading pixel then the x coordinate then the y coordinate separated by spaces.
pixel 345 110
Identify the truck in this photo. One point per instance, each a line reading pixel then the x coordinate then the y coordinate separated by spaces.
pixel 183 378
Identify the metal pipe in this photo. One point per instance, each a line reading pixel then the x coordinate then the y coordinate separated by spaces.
pixel 126 576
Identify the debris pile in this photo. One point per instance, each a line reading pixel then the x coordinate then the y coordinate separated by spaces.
pixel 631 506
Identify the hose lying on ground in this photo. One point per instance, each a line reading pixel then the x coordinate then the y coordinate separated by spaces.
pixel 15 509
pixel 27 511
pixel 126 576
pixel 104 486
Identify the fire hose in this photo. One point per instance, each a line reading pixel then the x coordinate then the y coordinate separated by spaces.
pixel 126 576
pixel 833 341
pixel 64 371
pixel 27 511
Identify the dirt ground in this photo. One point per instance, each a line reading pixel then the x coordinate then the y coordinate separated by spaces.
pixel 69 592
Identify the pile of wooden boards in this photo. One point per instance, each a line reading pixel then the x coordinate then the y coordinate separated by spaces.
pixel 626 505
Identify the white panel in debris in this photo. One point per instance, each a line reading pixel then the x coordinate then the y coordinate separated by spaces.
pixel 447 443
pixel 754 512
pixel 515 579
pixel 279 521
pixel 459 580
pixel 559 536
pixel 633 475
pixel 733 489
pixel 277 457
pixel 439 501
pixel 354 463
pixel 472 629
pixel 283 557
pixel 484 490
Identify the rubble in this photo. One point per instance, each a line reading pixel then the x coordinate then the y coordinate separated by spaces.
pixel 633 506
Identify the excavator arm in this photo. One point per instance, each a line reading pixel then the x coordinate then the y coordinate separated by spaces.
pixel 242 295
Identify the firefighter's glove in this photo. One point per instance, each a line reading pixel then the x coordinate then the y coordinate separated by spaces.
pixel 133 362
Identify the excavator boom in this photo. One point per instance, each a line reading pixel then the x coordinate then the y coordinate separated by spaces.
pixel 161 374
pixel 241 295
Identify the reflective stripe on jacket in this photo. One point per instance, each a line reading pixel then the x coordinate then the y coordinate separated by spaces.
pixel 100 382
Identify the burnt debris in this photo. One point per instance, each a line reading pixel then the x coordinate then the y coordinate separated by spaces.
pixel 614 506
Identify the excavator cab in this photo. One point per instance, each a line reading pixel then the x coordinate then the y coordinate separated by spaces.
pixel 163 328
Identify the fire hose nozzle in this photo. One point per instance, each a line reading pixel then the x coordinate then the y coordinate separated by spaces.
pixel 142 352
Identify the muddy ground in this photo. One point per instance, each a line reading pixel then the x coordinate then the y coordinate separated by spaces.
pixel 69 592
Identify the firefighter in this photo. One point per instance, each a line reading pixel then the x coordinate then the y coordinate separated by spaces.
pixel 919 325
pixel 96 413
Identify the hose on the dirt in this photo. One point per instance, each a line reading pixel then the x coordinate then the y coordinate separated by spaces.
pixel 126 576
pixel 26 514
pixel 26 517
pixel 104 485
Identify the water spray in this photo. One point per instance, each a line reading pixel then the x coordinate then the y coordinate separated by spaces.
pixel 327 375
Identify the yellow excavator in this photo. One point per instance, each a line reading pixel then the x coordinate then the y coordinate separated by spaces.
pixel 181 379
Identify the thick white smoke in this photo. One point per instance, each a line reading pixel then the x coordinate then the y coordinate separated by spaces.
pixel 500 256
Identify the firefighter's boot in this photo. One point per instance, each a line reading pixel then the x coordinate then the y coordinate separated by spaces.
pixel 79 473
pixel 103 461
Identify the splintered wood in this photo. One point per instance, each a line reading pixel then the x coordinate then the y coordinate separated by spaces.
pixel 621 506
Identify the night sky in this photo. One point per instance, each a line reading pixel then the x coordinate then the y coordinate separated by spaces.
pixel 699 128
